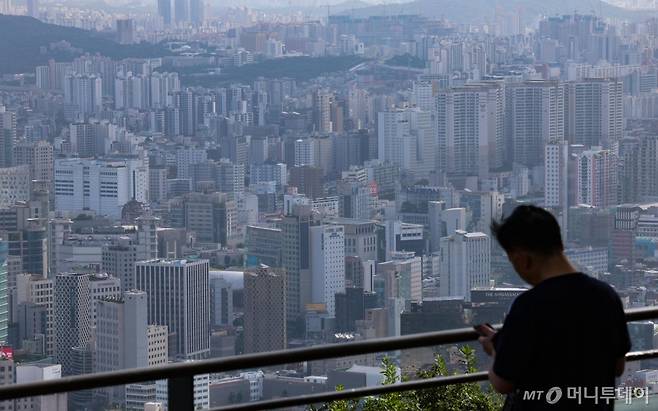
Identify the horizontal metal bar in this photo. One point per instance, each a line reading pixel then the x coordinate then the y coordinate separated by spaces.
pixel 329 396
pixel 641 314
pixel 129 376
pixel 325 397
pixel 641 355
pixel 240 362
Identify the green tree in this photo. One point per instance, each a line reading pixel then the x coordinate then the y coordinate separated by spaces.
pixel 454 397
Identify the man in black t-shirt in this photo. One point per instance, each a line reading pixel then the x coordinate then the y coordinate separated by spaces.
pixel 564 340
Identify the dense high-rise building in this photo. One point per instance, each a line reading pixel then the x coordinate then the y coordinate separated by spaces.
pixel 596 178
pixel 360 237
pixel 471 129
pixel 38 155
pixel 213 217
pixel 178 297
pixel 38 291
pixel 223 176
pixel 269 172
pixel 121 337
pixel 322 102
pixel 186 157
pixel 28 241
pixel 14 185
pixel 163 86
pixel 308 180
pixel 157 184
pixel 352 206
pixel 645 168
pixel 327 265
pixel 7 377
pixel 166 11
pixel 359 273
pixel 8 132
pixel 623 236
pixel 84 93
pixel 264 310
pixel 73 321
pixel 138 395
pixel 556 190
pixel 37 372
pixel 4 293
pixel 102 287
pixel 221 303
pixel 119 258
pixel 356 199
pixel 403 276
pixel 465 260
pixel 132 91
pixel 296 260
pixel 184 102
pixel 103 186
pixel 630 165
pixel 306 152
pixel 263 246
pixel 43 77
pixel 393 128
pixel 125 31
pixel 534 117
pixel 593 112
pixel 83 140
pixel 407 138
pixel 188 11
pixel 57 74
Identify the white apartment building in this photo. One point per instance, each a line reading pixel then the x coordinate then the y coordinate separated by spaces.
pixel 594 113
pixel 465 260
pixel 471 128
pixel 596 178
pixel 102 186
pixel 327 264
pixel 35 372
pixel 555 174
pixel 537 116
pixel 305 151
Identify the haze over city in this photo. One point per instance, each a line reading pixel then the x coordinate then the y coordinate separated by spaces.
pixel 190 182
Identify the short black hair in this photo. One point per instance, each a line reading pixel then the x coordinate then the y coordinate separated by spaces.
pixel 529 228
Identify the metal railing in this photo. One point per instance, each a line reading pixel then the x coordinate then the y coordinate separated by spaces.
pixel 180 376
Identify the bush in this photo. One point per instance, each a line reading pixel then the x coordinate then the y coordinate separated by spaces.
pixel 456 397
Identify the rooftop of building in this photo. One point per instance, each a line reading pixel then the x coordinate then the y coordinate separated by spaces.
pixel 348 221
pixel 171 262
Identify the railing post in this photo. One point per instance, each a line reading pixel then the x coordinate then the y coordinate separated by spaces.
pixel 180 393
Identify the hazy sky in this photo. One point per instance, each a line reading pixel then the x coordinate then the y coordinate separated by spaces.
pixel 258 3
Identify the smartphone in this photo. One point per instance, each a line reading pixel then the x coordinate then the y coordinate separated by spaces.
pixel 482 329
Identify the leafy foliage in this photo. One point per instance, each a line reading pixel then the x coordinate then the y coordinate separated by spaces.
pixel 470 11
pixel 27 41
pixel 455 397
pixel 406 60
pixel 298 68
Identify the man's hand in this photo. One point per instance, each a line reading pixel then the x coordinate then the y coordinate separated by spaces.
pixel 486 338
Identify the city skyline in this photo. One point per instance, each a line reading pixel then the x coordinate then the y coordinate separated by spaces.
pixel 182 180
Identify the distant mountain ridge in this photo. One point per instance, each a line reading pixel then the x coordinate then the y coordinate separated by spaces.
pixel 25 41
pixel 479 11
